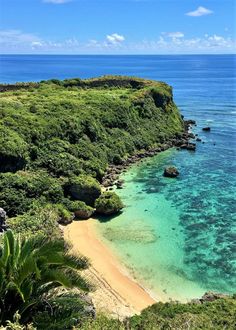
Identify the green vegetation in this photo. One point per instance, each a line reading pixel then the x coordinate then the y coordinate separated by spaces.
pixel 56 141
pixel 80 209
pixel 216 315
pixel 38 221
pixel 83 188
pixel 108 203
pixel 32 274
pixel 58 137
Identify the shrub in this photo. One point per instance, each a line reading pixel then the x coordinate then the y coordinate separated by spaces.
pixel 13 150
pixel 108 203
pixel 81 210
pixel 39 221
pixel 65 217
pixel 84 188
pixel 20 190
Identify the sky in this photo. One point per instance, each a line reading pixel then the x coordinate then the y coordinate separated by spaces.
pixel 117 26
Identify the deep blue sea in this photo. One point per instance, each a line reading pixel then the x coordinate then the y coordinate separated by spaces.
pixel 177 237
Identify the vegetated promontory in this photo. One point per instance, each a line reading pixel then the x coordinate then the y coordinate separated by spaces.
pixel 57 139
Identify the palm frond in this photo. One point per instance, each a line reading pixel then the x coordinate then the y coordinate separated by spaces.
pixel 76 262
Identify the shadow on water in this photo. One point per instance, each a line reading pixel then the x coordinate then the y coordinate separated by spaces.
pixel 107 218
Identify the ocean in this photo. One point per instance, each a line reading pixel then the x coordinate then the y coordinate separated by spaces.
pixel 177 237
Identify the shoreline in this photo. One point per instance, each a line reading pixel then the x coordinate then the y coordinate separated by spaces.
pixel 180 141
pixel 116 292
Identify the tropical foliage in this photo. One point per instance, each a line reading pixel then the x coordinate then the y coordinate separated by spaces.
pixel 108 203
pixel 213 315
pixel 58 137
pixel 30 269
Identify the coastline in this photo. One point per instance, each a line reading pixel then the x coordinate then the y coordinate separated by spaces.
pixel 180 141
pixel 115 291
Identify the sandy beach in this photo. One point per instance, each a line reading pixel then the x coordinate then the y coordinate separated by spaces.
pixel 116 292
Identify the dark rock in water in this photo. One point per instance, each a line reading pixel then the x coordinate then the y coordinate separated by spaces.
pixel 191 135
pixel 191 146
pixel 198 139
pixel 3 217
pixel 171 172
pixel 190 122
pixel 188 146
pixel 184 146
pixel 119 184
pixel 207 129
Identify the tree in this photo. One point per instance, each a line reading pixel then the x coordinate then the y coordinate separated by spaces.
pixel 30 269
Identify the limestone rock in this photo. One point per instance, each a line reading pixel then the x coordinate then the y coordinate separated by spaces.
pixel 171 172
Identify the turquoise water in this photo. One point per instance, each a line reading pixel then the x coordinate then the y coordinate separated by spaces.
pixel 177 237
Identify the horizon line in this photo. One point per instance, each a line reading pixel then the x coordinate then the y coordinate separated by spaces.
pixel 63 54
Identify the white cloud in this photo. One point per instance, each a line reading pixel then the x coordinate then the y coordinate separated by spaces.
pixel 175 34
pixel 16 42
pixel 36 44
pixel 56 2
pixel 115 38
pixel 200 11
pixel 13 39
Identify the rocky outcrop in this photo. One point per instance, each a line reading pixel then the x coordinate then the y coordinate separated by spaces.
pixel 206 129
pixel 209 296
pixel 84 188
pixel 84 213
pixel 108 203
pixel 3 217
pixel 171 172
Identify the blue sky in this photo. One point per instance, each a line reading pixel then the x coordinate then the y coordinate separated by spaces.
pixel 117 26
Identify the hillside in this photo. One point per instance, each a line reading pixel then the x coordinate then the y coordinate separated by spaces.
pixel 58 137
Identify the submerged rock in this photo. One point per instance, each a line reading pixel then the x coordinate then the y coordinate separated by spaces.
pixel 135 235
pixel 207 129
pixel 171 172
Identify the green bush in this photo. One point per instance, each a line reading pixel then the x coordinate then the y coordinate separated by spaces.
pixel 215 315
pixel 65 217
pixel 19 191
pixel 13 150
pixel 39 221
pixel 83 188
pixel 108 203
pixel 80 209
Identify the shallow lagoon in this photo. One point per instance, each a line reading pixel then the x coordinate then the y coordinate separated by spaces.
pixel 176 236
